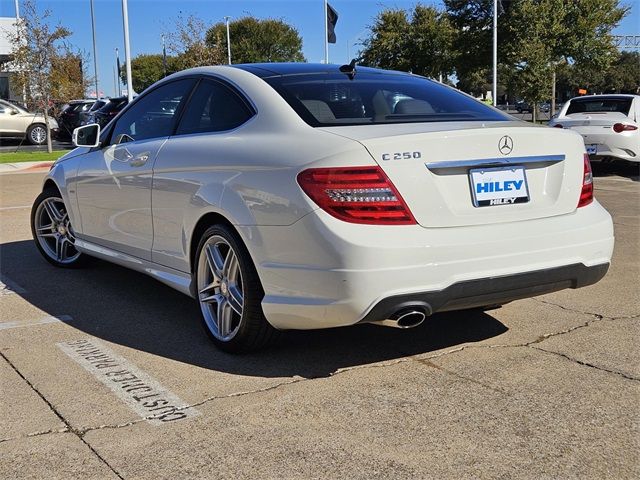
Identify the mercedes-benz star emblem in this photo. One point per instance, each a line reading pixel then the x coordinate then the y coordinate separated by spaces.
pixel 505 145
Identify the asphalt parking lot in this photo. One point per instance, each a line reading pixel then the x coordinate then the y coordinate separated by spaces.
pixel 106 373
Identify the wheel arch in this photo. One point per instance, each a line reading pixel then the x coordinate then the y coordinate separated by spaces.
pixel 204 222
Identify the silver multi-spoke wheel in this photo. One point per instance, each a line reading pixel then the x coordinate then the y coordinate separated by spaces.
pixel 220 288
pixel 38 135
pixel 53 231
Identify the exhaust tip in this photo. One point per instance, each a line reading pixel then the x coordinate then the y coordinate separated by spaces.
pixel 408 318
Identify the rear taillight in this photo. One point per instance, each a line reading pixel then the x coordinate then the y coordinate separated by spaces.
pixel 356 195
pixel 558 125
pixel 586 195
pixel 623 127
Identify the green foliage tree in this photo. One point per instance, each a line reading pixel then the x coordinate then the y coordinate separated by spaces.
pixel 624 75
pixel 148 69
pixel 254 40
pixel 35 47
pixel 421 42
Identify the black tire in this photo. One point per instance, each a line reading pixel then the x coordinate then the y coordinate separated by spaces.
pixel 76 261
pixel 36 127
pixel 253 331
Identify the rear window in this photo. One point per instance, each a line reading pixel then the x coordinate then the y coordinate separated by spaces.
pixel 586 105
pixel 97 105
pixel 116 104
pixel 334 99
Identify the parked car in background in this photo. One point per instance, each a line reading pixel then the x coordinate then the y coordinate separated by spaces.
pixel 70 116
pixel 18 123
pixel 108 111
pixel 608 124
pixel 523 107
pixel 97 104
pixel 304 196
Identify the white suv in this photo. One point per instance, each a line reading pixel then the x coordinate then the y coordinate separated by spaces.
pixel 608 124
pixel 16 122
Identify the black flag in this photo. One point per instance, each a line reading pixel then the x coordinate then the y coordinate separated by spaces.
pixel 332 19
pixel 118 63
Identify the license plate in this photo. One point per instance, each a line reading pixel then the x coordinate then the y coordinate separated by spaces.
pixel 498 186
pixel 592 149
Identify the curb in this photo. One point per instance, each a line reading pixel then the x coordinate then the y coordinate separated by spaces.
pixel 25 167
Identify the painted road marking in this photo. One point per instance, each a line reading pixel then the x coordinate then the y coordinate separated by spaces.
pixel 141 392
pixel 40 321
pixel 8 287
pixel 19 207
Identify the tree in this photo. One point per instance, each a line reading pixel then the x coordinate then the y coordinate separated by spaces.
pixel 35 48
pixel 148 69
pixel 254 40
pixel 187 40
pixel 68 77
pixel 421 43
pixel 624 75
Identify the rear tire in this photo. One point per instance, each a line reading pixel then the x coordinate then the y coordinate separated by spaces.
pixel 229 293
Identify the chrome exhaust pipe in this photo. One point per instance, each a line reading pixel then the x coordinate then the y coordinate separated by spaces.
pixel 407 318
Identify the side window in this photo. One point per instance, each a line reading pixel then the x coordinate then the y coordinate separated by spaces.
pixel 1 108
pixel 154 114
pixel 213 107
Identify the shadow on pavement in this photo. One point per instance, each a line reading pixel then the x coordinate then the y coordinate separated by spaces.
pixel 630 170
pixel 131 309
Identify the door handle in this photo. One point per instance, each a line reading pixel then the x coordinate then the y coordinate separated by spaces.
pixel 139 160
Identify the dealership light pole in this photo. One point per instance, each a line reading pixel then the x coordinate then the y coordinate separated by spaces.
pixel 494 93
pixel 95 55
pixel 17 10
pixel 326 34
pixel 127 50
pixel 226 19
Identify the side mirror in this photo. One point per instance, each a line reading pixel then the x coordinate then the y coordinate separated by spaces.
pixel 13 111
pixel 87 136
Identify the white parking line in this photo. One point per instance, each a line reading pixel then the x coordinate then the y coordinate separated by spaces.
pixel 18 207
pixel 141 392
pixel 8 287
pixel 31 323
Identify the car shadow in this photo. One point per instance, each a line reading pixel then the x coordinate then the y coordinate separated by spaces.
pixel 128 308
pixel 630 170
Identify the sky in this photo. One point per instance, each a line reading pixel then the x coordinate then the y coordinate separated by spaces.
pixel 148 19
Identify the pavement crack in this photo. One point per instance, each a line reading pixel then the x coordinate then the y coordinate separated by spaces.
pixel 68 426
pixel 587 364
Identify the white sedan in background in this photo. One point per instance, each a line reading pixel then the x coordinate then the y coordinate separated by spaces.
pixel 609 125
pixel 305 196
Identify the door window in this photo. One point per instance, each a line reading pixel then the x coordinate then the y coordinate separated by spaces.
pixel 154 114
pixel 213 107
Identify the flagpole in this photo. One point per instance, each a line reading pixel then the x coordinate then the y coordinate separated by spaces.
pixel 326 33
pixel 127 51
pixel 164 58
pixel 495 52
pixel 226 19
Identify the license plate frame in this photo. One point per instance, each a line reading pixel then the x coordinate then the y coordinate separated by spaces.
pixel 492 175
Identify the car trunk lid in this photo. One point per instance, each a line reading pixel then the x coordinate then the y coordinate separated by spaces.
pixel 431 165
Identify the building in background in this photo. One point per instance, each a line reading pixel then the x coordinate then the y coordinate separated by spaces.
pixel 6 92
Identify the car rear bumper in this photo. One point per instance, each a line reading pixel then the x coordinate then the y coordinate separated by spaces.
pixel 321 272
pixel 490 291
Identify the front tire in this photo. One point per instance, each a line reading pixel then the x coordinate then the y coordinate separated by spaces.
pixel 229 293
pixel 52 231
pixel 37 134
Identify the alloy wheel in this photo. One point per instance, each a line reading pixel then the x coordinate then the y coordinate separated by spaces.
pixel 38 134
pixel 220 290
pixel 54 232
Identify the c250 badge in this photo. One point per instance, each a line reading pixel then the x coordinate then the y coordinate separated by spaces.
pixel 401 155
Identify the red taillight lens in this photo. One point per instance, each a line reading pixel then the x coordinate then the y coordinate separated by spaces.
pixel 586 195
pixel 558 125
pixel 356 195
pixel 623 127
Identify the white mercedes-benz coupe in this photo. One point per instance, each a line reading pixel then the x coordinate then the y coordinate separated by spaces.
pixel 609 125
pixel 302 196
